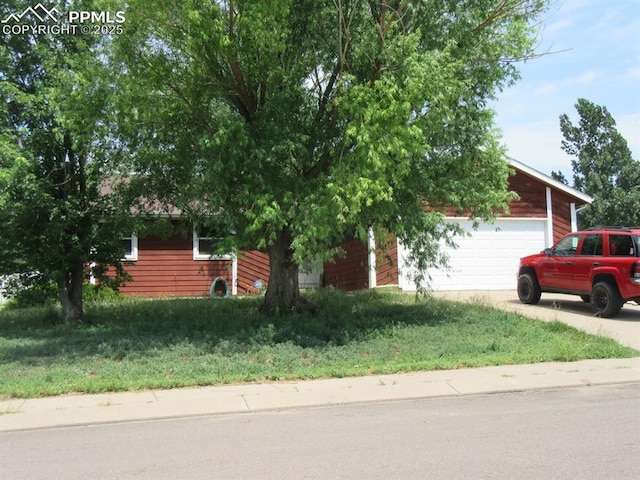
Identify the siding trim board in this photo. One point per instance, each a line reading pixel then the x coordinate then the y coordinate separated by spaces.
pixel 371 266
pixel 549 231
pixel 574 217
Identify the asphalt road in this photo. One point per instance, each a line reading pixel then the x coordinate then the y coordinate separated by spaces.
pixel 587 433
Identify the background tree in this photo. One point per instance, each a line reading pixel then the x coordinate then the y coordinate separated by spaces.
pixel 291 126
pixel 602 167
pixel 55 221
pixel 559 176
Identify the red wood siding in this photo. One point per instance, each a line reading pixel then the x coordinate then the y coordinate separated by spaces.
pixel 533 198
pixel 349 272
pixel 532 201
pixel 165 268
pixel 561 207
pixel 252 266
pixel 387 262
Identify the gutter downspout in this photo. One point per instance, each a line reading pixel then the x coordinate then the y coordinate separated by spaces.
pixel 577 211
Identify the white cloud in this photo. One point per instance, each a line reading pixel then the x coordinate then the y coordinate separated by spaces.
pixel 629 128
pixel 552 29
pixel 585 78
pixel 634 73
pixel 547 88
pixel 538 144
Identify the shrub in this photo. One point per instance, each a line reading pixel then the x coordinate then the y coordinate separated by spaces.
pixel 99 294
pixel 37 295
pixel 46 294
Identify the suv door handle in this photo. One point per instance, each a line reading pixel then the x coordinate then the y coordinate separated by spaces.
pixel 568 263
pixel 596 264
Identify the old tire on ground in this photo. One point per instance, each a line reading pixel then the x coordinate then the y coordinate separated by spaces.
pixel 528 289
pixel 606 300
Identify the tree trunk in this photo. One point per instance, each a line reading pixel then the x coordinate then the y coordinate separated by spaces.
pixel 70 292
pixel 283 290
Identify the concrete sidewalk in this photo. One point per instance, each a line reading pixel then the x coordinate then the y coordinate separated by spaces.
pixel 66 411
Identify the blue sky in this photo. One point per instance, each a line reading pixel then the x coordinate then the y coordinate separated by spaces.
pixel 598 45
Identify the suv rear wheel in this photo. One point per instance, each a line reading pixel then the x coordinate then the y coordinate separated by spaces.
pixel 605 300
pixel 528 289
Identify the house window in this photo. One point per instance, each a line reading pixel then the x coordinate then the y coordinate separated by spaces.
pixel 205 246
pixel 130 247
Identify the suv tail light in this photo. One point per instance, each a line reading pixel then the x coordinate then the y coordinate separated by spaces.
pixel 635 272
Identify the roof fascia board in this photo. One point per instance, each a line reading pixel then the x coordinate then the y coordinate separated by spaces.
pixel 551 182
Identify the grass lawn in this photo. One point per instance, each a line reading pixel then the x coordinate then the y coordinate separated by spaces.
pixel 143 344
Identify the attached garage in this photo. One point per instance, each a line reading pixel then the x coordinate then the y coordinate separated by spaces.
pixel 487 259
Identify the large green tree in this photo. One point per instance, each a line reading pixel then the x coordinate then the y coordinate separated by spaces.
pixel 53 161
pixel 603 167
pixel 291 126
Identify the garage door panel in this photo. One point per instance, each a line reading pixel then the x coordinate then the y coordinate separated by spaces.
pixel 486 260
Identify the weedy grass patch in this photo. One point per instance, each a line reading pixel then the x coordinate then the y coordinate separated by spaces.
pixel 134 344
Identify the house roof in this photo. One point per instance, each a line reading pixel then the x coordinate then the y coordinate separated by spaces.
pixel 583 198
pixel 142 205
pixel 157 209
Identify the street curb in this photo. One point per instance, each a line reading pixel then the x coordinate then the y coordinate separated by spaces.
pixel 79 410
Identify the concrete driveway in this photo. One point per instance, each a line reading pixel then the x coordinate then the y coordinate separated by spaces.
pixel 625 328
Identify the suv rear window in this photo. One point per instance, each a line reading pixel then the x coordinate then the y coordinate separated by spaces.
pixel 622 245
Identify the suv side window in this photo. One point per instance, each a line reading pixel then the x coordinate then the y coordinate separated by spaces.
pixel 621 245
pixel 592 244
pixel 567 246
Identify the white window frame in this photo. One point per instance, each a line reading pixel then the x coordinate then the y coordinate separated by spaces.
pixel 132 255
pixel 197 255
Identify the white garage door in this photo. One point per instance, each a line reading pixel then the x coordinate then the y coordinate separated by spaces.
pixel 486 260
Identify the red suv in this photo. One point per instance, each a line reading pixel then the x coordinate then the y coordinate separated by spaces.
pixel 602 265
